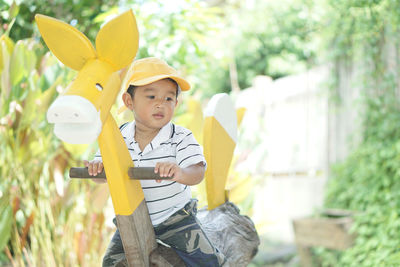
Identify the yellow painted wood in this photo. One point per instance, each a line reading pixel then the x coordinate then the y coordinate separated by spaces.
pixel 240 114
pixel 126 194
pixel 117 44
pixel 67 43
pixel 118 39
pixel 109 93
pixel 196 122
pixel 218 151
pixel 95 72
pixel 193 119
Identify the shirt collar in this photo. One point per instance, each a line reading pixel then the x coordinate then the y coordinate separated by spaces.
pixel 163 135
pixel 130 133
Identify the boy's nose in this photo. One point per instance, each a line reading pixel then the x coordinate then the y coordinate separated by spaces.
pixel 160 102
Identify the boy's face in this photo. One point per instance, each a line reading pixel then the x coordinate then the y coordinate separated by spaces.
pixel 153 104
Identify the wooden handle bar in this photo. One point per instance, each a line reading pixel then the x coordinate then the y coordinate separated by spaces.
pixel 137 173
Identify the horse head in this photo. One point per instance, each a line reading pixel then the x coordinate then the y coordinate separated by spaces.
pixel 80 113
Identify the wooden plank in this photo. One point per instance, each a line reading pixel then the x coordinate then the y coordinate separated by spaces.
pixel 305 256
pixel 127 196
pixel 136 173
pixel 331 233
pixel 138 236
pixel 339 213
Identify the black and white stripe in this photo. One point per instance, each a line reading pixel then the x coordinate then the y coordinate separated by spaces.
pixel 172 144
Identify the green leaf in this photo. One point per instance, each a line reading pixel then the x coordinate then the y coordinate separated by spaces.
pixel 5 224
pixel 17 68
pixel 13 11
pixel 5 74
pixel 22 62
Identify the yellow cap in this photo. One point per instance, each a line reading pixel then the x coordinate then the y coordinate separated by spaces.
pixel 151 69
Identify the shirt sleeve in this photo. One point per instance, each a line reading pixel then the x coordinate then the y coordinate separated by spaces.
pixel 189 152
pixel 97 155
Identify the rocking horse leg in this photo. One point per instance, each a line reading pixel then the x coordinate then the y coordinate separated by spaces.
pixel 138 236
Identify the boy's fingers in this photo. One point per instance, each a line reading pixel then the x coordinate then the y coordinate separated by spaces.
pixel 163 171
pixel 167 170
pixel 159 169
pixel 90 169
pixel 170 170
pixel 100 169
pixel 94 169
pixel 156 168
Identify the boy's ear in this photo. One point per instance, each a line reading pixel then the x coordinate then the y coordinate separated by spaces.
pixel 68 44
pixel 128 101
pixel 117 41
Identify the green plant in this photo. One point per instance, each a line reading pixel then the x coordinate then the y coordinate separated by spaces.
pixel 40 208
pixel 20 15
pixel 367 181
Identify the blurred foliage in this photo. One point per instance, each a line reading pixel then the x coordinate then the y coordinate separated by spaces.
pixel 20 15
pixel 47 219
pixel 179 33
pixel 361 33
pixel 369 183
pixel 42 214
pixel 274 38
pixel 205 42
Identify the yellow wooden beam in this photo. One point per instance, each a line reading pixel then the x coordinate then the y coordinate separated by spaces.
pixel 219 141
pixel 126 194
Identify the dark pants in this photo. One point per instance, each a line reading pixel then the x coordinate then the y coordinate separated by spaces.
pixel 183 233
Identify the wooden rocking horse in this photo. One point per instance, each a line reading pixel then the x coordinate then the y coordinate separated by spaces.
pixel 82 115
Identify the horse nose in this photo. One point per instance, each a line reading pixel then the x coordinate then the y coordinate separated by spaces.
pixel 71 109
pixel 62 115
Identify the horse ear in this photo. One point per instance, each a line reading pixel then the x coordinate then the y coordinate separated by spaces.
pixel 68 44
pixel 117 41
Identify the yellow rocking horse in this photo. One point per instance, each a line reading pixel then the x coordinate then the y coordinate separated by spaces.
pixel 82 115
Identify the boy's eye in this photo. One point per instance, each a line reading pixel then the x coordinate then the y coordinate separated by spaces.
pixel 151 96
pixel 169 99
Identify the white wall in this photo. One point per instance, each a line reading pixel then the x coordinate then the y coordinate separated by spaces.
pixel 285 137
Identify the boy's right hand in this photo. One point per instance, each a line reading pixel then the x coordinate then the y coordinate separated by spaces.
pixel 95 167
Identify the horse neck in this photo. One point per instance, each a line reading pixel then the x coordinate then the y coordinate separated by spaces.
pixel 126 194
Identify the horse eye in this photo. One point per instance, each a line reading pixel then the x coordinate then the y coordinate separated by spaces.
pixel 99 87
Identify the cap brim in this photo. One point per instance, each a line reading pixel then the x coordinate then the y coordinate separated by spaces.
pixel 183 84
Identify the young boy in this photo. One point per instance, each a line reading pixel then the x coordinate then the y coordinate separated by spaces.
pixel 153 141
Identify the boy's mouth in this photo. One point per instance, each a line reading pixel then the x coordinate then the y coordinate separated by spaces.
pixel 158 115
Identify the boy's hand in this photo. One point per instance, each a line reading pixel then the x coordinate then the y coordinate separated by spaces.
pixel 168 169
pixel 95 167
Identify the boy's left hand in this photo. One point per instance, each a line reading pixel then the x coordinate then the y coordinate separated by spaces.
pixel 168 169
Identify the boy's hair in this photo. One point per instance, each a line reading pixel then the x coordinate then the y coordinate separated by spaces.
pixel 131 88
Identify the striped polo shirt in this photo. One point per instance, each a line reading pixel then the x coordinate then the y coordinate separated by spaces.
pixel 173 143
